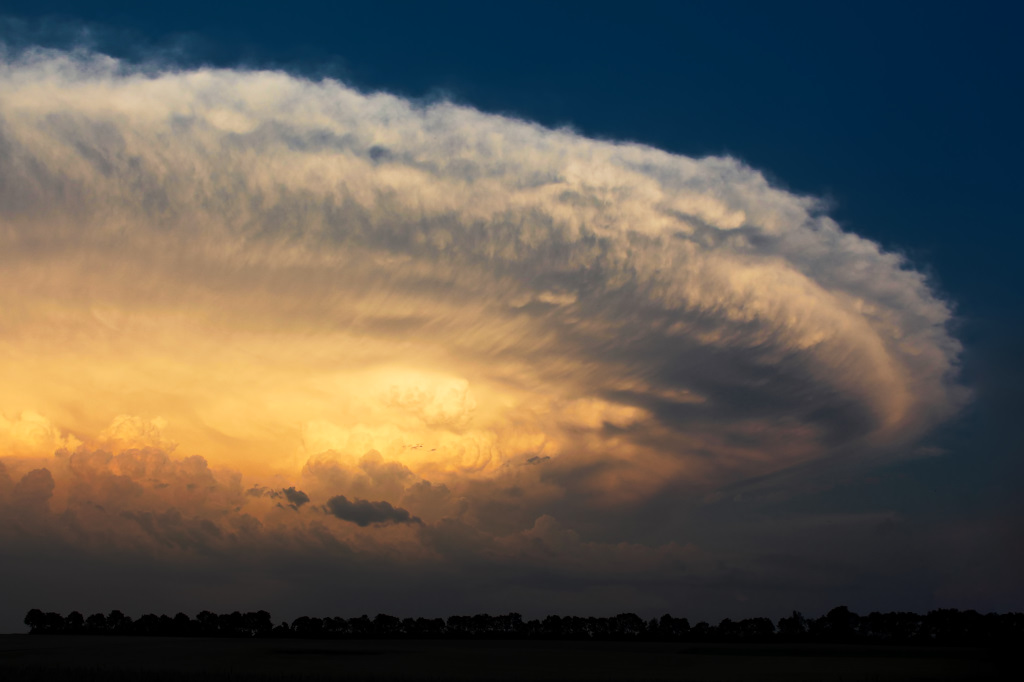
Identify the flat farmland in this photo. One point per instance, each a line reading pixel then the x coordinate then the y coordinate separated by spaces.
pixel 155 659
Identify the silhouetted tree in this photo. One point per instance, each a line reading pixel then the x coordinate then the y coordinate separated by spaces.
pixel 386 626
pixel 840 625
pixel 257 623
pixel 35 619
pixel 672 629
pixel 207 623
pixel 628 626
pixel 232 624
pixel 510 624
pixel 727 630
pixel 431 627
pixel 756 629
pixel 304 626
pixel 118 623
pixel 182 625
pixel 793 627
pixel 598 628
pixel 336 627
pixel 550 627
pixel 148 624
pixel 361 626
pixel 96 624
pixel 460 626
pixel 74 623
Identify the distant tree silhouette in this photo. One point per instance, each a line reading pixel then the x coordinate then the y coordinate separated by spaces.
pixel 793 627
pixel 183 626
pixel 628 626
pixel 148 624
pixel 510 624
pixel 386 626
pixel 430 628
pixel 258 623
pixel 336 627
pixel 96 624
pixel 756 629
pixel 941 627
pixel 304 626
pixel 208 623
pixel 701 631
pixel 45 623
pixel 36 620
pixel 672 629
pixel 361 626
pixel 549 627
pixel 74 623
pixel 118 623
pixel 840 624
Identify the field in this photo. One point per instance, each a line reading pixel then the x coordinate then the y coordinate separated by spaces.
pixel 58 658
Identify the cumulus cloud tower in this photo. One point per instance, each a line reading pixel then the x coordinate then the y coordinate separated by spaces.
pixel 233 248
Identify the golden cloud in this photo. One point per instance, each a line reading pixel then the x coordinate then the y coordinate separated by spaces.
pixel 220 279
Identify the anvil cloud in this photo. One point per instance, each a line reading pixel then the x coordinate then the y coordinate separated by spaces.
pixel 215 281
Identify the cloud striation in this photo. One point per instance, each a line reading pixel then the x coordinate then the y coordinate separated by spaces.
pixel 214 276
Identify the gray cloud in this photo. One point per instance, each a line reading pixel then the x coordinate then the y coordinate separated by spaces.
pixel 296 497
pixel 6 484
pixel 173 530
pixel 34 490
pixel 365 512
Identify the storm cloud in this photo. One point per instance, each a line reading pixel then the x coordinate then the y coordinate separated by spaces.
pixel 364 513
pixel 683 299
pixel 295 498
pixel 485 343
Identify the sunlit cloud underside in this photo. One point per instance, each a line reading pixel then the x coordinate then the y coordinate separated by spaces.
pixel 244 307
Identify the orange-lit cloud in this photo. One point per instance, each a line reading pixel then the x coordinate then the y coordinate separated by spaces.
pixel 242 307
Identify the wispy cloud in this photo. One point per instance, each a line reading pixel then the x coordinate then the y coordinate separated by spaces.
pixel 212 278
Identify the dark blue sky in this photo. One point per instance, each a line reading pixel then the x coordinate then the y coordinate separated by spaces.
pixel 905 115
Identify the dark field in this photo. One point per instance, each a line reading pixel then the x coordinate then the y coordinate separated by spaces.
pixel 25 657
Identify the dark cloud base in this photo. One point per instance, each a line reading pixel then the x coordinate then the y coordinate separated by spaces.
pixel 364 513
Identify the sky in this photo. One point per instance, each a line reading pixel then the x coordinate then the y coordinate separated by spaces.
pixel 577 308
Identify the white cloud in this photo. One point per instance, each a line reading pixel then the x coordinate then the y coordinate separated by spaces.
pixel 280 267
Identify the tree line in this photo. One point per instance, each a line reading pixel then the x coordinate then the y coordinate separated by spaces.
pixel 942 627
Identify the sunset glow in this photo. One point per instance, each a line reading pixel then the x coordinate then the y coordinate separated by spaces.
pixel 244 310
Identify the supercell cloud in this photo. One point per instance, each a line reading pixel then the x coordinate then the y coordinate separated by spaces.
pixel 220 281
